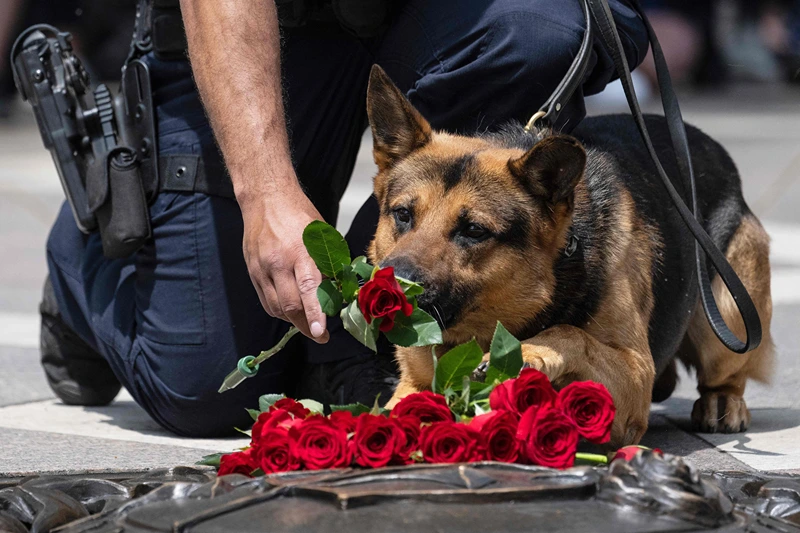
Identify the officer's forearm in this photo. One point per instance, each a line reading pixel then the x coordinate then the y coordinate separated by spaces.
pixel 234 48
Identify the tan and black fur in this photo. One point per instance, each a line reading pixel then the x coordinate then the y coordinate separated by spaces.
pixel 489 224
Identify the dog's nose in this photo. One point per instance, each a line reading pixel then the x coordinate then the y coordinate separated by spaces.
pixel 404 268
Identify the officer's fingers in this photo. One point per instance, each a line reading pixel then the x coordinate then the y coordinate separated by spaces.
pixel 289 300
pixel 260 292
pixel 308 279
pixel 273 306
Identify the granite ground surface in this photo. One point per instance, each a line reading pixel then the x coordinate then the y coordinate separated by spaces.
pixel 759 126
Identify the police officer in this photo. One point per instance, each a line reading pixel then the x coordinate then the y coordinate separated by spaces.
pixel 284 108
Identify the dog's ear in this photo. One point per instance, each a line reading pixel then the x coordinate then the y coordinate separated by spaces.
pixel 397 128
pixel 552 168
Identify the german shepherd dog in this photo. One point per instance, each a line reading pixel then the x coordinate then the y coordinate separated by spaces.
pixel 573 244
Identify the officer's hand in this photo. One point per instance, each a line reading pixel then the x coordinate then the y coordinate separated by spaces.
pixel 282 272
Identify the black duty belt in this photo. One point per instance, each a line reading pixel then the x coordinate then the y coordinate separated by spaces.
pixel 599 12
pixel 189 173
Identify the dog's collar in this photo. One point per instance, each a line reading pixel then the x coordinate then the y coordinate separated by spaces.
pixel 572 245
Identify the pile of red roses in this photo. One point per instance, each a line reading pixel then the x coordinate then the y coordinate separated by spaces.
pixel 529 422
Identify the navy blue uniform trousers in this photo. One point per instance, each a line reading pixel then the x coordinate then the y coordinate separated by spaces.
pixel 173 319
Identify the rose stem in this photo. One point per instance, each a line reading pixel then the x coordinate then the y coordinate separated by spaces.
pixel 592 458
pixel 248 366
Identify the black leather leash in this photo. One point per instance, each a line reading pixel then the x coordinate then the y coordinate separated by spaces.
pixel 600 12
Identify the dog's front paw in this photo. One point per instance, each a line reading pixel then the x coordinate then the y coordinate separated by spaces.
pixel 720 412
pixel 544 359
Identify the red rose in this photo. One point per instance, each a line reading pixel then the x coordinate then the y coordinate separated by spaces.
pixel 629 452
pixel 344 420
pixel 547 438
pixel 377 441
pixel 425 405
pixel 410 426
pixel 382 297
pixel 531 389
pixel 288 404
pixel 274 452
pixel 591 408
pixel 268 420
pixel 497 439
pixel 448 442
pixel 502 397
pixel 319 443
pixel 237 463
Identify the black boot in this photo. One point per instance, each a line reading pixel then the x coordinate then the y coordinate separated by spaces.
pixel 76 373
pixel 359 379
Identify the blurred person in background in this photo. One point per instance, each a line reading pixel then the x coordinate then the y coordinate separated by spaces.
pixel 10 16
pixel 101 29
pixel 713 42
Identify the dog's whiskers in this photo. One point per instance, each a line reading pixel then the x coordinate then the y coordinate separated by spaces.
pixel 439 316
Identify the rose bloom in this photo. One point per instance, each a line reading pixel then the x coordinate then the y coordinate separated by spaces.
pixel 274 452
pixel 378 441
pixel 268 420
pixel 531 389
pixel 237 463
pixel 382 297
pixel 344 420
pixel 627 453
pixel 547 438
pixel 293 406
pixel 411 427
pixel 591 407
pixel 448 442
pixel 425 405
pixel 497 438
pixel 318 443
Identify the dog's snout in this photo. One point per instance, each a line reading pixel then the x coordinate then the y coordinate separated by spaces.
pixel 404 268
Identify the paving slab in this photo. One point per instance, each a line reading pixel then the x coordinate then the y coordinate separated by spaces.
pixel 31 452
pixel 21 379
pixel 123 421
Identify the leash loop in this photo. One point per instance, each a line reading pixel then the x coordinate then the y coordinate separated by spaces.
pixel 600 12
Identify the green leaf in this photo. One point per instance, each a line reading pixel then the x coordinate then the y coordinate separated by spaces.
pixel 355 408
pixel 330 299
pixel 253 414
pixel 211 460
pixel 410 288
pixel 505 353
pixel 419 329
pixel 356 324
pixel 312 405
pixel 362 267
pixel 479 391
pixel 243 432
pixel 327 248
pixel 434 387
pixel 268 400
pixel 457 363
pixel 494 375
pixel 377 410
pixel 349 283
pixel 465 389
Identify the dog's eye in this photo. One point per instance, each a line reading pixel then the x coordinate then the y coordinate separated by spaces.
pixel 475 231
pixel 402 215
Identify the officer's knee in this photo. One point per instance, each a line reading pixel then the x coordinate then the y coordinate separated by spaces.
pixel 532 51
pixel 521 59
pixel 202 418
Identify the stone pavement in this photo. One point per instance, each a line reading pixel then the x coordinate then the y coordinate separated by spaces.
pixel 757 124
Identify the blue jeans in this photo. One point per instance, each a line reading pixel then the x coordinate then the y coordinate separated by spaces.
pixel 173 319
